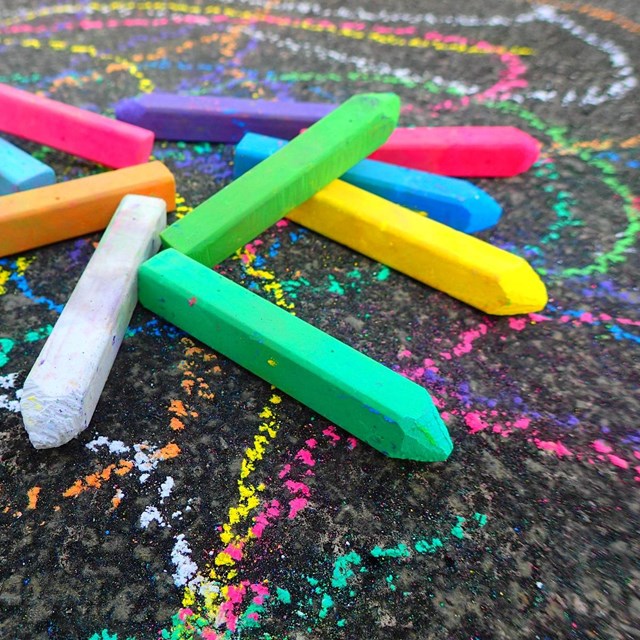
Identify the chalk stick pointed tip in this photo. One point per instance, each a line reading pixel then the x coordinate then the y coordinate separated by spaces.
pixel 41 441
pixel 129 110
pixel 483 213
pixel 50 420
pixel 390 100
pixel 530 150
pixel 523 291
pixel 434 446
pixel 426 437
pixel 47 433
pixel 387 102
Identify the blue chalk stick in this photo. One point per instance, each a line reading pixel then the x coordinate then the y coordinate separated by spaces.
pixel 20 172
pixel 456 203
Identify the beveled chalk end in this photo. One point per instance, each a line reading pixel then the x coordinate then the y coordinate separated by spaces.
pixel 51 421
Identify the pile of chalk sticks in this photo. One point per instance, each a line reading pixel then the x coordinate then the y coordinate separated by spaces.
pixel 345 171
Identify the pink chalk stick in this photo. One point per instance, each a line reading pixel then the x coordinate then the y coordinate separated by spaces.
pixel 76 131
pixel 462 152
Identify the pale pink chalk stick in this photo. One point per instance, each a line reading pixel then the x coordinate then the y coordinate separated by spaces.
pixel 77 131
pixel 462 152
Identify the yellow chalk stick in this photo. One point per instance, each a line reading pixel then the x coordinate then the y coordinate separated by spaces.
pixel 486 277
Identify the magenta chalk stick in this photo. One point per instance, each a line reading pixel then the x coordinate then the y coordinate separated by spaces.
pixel 76 131
pixel 461 152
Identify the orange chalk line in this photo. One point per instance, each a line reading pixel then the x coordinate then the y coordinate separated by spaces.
pixel 597 145
pixel 192 385
pixel 32 496
pixel 99 478
pixel 594 12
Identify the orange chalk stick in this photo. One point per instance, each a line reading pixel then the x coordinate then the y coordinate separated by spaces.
pixel 68 209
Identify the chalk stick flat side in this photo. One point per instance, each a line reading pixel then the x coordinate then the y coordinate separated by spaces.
pixel 62 389
pixel 217 119
pixel 375 404
pixel 463 152
pixel 65 210
pixel 453 202
pixel 252 203
pixel 20 172
pixel 77 131
pixel 466 268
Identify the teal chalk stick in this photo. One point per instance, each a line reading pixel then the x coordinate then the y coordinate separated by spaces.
pixel 19 171
pixel 245 208
pixel 377 405
pixel 456 203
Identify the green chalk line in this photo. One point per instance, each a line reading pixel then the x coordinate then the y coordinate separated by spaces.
pixel 627 237
pixel 401 551
pixel 6 345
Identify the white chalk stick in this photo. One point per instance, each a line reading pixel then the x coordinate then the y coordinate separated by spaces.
pixel 63 388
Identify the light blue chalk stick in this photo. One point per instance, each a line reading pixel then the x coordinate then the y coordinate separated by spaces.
pixel 456 203
pixel 19 171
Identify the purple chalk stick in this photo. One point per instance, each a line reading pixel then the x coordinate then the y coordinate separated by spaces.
pixel 218 119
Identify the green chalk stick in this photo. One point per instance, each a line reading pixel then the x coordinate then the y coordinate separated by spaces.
pixel 252 203
pixel 377 405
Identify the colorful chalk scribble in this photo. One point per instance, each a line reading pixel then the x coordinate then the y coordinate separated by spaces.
pixel 276 484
